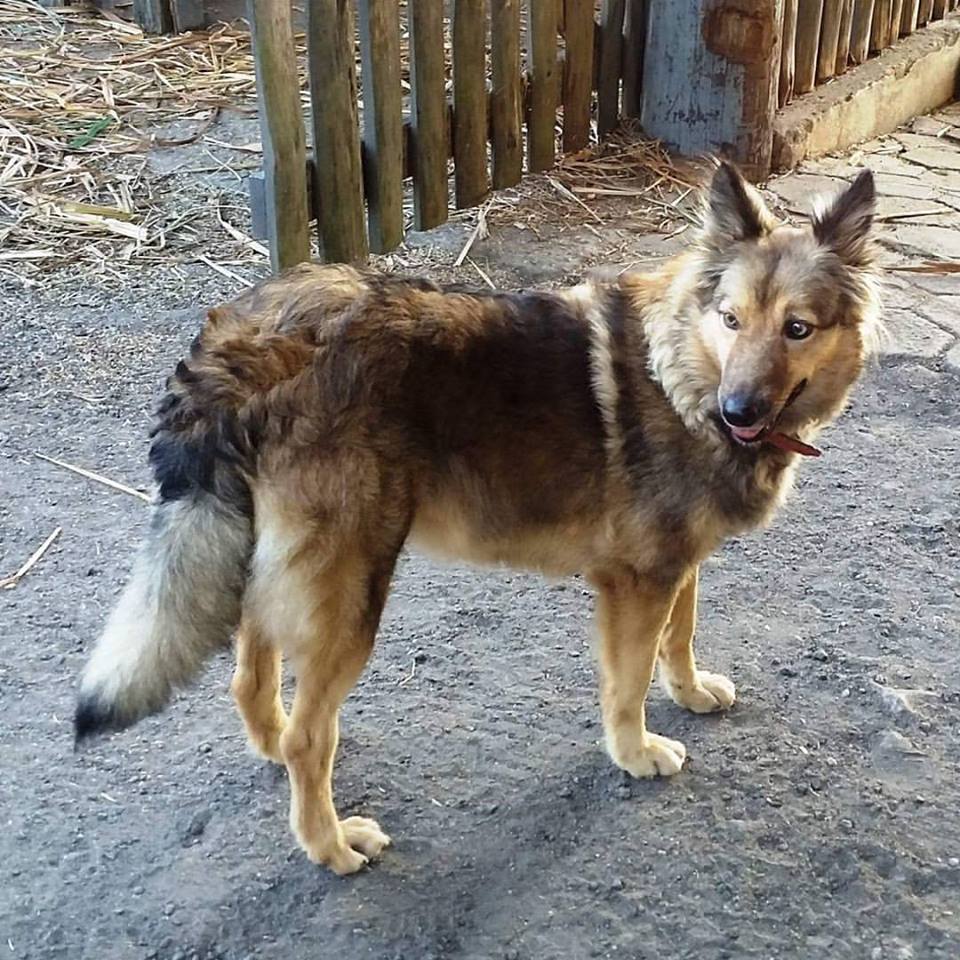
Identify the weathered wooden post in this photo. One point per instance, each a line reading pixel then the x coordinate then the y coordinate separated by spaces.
pixel 611 60
pixel 154 16
pixel 382 121
pixel 282 132
pixel 788 44
pixel 163 16
pixel 710 77
pixel 338 176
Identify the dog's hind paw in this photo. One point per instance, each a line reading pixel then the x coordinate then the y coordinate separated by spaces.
pixel 359 840
pixel 365 835
pixel 655 757
pixel 712 692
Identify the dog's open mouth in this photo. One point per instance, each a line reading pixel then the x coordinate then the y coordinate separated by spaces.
pixel 768 433
pixel 747 434
pixel 757 435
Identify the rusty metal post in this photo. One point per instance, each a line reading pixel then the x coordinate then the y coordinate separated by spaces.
pixel 710 77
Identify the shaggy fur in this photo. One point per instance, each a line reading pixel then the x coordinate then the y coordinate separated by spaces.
pixel 331 415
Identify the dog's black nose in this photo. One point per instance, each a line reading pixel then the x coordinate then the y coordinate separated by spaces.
pixel 744 410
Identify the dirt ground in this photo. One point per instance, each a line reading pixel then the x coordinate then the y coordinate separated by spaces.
pixel 817 819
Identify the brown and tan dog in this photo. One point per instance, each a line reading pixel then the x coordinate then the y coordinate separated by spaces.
pixel 621 431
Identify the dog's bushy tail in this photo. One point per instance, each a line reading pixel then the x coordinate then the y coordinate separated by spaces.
pixel 183 601
pixel 181 606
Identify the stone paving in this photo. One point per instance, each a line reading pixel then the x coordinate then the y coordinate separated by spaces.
pixel 918 182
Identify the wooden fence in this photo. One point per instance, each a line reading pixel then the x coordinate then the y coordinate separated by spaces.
pixel 448 99
pixel 490 97
pixel 821 38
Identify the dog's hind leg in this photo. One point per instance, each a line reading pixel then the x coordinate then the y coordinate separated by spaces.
pixel 631 615
pixel 697 690
pixel 256 691
pixel 339 608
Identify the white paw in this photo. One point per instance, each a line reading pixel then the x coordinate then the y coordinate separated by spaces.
pixel 655 757
pixel 712 692
pixel 365 835
pixel 355 832
pixel 341 859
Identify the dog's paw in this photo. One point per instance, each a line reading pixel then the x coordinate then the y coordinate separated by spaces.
pixel 712 692
pixel 359 840
pixel 365 835
pixel 655 757
pixel 342 860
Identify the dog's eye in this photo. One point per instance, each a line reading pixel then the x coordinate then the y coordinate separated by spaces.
pixel 797 329
pixel 730 321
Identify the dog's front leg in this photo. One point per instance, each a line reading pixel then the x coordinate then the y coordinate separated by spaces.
pixel 697 690
pixel 631 615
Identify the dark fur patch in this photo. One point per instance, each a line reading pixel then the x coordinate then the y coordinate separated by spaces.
pixel 503 400
pixel 93 718
pixel 734 212
pixel 211 458
pixel 636 451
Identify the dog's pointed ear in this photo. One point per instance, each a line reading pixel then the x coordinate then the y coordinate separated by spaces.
pixel 843 223
pixel 735 210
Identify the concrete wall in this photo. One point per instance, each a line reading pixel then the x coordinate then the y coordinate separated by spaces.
pixel 914 77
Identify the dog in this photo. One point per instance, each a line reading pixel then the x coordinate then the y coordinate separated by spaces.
pixel 619 430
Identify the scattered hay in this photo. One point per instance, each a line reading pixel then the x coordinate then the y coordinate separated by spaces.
pixel 80 94
pixel 625 177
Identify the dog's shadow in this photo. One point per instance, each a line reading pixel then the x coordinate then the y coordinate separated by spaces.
pixel 444 892
pixel 462 875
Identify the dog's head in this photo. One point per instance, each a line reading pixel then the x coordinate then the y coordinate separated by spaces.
pixel 788 315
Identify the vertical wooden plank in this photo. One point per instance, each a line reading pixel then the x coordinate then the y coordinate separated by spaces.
pixel 429 116
pixel 809 17
pixel 470 101
pixel 336 132
pixel 506 100
pixel 788 52
pixel 282 133
pixel 611 59
pixel 908 17
pixel 711 73
pixel 577 73
pixel 880 28
pixel 542 47
pixel 860 31
pixel 829 38
pixel 153 16
pixel 896 13
pixel 634 44
pixel 939 9
pixel 924 12
pixel 382 121
pixel 843 41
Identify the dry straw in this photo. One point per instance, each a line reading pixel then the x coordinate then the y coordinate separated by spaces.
pixel 81 97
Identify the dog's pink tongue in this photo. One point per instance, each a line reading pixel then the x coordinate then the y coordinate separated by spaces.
pixel 792 444
pixel 746 433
